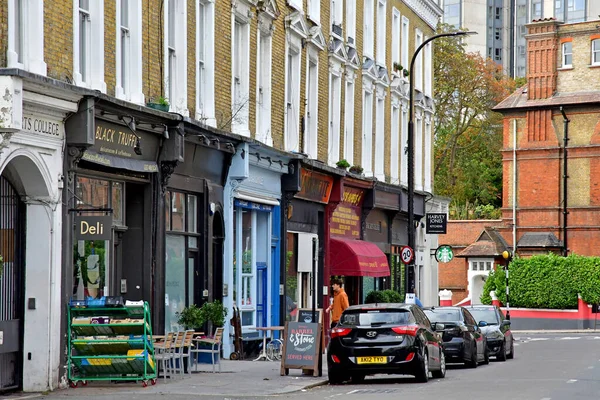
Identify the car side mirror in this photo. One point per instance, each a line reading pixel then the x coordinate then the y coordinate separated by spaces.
pixel 506 322
pixel 483 323
pixel 439 327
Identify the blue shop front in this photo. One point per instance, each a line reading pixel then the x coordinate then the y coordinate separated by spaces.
pixel 253 245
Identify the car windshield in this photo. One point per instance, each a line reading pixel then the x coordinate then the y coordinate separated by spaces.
pixel 375 317
pixel 440 315
pixel 485 314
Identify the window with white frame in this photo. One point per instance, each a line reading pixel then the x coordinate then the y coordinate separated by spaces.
pixel 312 105
pixel 428 78
pixel 351 22
pixel 368 28
pixel 567 54
pixel 241 77
pixel 428 185
pixel 596 52
pixel 263 75
pixel 292 93
pixel 380 137
pixel 176 55
pixel 419 61
pixel 395 38
pixel 381 31
pixel 123 71
pixel 395 143
pixel 129 51
pixel 314 11
pixel 337 12
pixel 25 44
pixel 404 146
pixel 297 4
pixel 205 55
pixel 88 40
pixel 335 99
pixel 404 39
pixel 367 129
pixel 349 120
pixel 419 152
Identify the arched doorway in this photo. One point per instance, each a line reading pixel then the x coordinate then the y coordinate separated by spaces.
pixel 218 235
pixel 12 280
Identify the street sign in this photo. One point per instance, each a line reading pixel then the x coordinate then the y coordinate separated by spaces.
pixel 407 254
pixel 444 254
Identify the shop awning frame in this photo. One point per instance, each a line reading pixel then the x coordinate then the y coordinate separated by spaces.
pixel 356 258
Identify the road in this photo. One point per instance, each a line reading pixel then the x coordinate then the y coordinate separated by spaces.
pixel 546 367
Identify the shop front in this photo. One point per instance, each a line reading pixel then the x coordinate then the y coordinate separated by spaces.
pixel 348 255
pixel 194 226
pixel 253 240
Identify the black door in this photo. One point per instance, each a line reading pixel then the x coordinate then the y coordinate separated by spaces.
pixel 11 286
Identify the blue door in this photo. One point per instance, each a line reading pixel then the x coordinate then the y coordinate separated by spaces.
pixel 262 292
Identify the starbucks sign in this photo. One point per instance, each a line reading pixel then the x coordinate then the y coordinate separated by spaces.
pixel 444 254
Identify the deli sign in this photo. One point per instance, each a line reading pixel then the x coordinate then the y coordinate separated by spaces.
pixel 93 227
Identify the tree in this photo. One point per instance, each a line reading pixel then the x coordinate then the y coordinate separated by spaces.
pixel 467 134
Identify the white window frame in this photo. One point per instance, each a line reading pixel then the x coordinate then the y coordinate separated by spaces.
pixel 349 118
pixel 428 184
pixel 131 89
pixel 240 77
pixel 381 32
pixel 367 127
pixel 351 22
pixel 418 61
pixel 595 51
pixel 205 62
pixel 368 28
pixel 175 56
pixel 380 135
pixel 263 86
pixel 564 55
pixel 404 144
pixel 396 29
pixel 418 150
pixel 335 113
pixel 337 12
pixel 314 11
pixel 404 37
pixel 25 48
pixel 428 74
pixel 311 133
pixel 293 56
pixel 297 4
pixel 93 71
pixel 394 139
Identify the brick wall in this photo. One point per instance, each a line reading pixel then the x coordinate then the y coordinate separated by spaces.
pixel 58 39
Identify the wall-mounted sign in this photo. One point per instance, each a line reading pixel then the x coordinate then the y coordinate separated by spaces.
pixel 345 220
pixel 436 223
pixel 376 227
pixel 43 126
pixel 119 141
pixel 252 206
pixel 315 186
pixel 95 227
pixel 444 254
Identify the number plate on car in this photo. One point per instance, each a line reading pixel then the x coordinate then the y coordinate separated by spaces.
pixel 371 360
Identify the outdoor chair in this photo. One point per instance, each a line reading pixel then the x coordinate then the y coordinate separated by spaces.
pixel 164 354
pixel 215 348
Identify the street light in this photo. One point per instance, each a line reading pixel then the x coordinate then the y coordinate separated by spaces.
pixel 410 284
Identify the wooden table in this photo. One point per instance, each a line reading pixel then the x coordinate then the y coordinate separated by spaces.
pixel 264 330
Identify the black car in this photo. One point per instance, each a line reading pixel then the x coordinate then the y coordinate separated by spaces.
pixel 463 339
pixel 496 328
pixel 384 339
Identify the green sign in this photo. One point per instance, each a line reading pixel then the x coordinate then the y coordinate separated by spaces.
pixel 444 254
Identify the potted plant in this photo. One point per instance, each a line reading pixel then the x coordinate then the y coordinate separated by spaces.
pixel 397 67
pixel 214 312
pixel 161 103
pixel 191 317
pixel 342 164
pixel 356 169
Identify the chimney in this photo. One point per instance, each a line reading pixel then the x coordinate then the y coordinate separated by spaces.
pixel 542 58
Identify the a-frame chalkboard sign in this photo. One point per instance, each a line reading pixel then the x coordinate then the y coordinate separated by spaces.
pixel 302 347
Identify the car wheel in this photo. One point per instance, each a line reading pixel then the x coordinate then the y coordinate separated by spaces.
pixel 511 355
pixel 473 362
pixel 440 373
pixel 422 374
pixel 335 378
pixel 486 356
pixel 502 352
pixel 358 378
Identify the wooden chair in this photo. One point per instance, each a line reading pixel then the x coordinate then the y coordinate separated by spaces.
pixel 183 354
pixel 215 351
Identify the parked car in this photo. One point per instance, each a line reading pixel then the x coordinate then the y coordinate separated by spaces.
pixel 500 341
pixel 462 337
pixel 384 339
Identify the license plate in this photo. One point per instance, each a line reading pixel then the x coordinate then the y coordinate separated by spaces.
pixel 371 360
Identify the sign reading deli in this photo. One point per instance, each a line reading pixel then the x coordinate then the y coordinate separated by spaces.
pixel 95 227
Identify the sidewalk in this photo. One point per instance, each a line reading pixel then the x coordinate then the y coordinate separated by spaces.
pixel 236 379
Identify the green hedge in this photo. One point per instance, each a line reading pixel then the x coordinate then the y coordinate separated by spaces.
pixel 548 281
pixel 383 296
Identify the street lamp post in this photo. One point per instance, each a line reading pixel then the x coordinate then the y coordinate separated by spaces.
pixel 409 278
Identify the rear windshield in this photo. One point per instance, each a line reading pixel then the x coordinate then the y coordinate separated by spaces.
pixel 376 317
pixel 485 314
pixel 443 315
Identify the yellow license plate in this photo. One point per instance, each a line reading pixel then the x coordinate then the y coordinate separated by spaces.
pixel 371 360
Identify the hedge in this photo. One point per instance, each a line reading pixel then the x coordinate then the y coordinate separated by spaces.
pixel 383 296
pixel 548 281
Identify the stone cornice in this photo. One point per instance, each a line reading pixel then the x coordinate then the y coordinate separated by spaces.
pixel 428 10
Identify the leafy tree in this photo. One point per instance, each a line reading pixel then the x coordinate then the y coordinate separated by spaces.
pixel 467 135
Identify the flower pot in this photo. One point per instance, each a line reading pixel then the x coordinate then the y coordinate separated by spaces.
pixel 160 107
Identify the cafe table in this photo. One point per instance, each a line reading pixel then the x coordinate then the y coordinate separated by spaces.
pixel 264 330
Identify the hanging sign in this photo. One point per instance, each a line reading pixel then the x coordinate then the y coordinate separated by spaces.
pixel 95 227
pixel 444 254
pixel 436 223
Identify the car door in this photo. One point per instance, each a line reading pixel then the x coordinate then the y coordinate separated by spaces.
pixel 430 340
pixel 505 329
pixel 475 331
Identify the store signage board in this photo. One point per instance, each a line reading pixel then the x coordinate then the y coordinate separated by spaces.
pixel 119 141
pixel 306 315
pixel 88 227
pixel 302 347
pixel 436 223
pixel 444 254
pixel 43 126
pixel 346 219
pixel 315 186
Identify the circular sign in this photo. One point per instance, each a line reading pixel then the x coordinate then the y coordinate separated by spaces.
pixel 444 254
pixel 407 254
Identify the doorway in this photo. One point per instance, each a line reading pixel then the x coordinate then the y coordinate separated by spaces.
pixel 217 255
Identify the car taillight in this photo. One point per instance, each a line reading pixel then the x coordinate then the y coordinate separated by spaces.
pixel 335 359
pixel 410 330
pixel 339 332
pixel 410 357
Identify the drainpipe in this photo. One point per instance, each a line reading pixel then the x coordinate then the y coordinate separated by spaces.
pixel 565 177
pixel 514 185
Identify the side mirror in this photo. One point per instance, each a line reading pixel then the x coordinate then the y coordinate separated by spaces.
pixel 482 324
pixel 439 327
pixel 506 322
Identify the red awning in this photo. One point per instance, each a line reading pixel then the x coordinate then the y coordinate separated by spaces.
pixel 357 258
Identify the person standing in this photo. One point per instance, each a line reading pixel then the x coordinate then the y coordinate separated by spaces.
pixel 340 301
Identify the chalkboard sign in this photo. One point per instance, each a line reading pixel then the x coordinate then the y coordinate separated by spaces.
pixel 306 315
pixel 302 347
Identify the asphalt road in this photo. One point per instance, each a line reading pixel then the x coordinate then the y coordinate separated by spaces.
pixel 546 367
